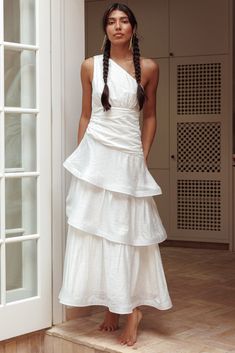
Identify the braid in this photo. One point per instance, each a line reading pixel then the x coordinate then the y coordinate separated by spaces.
pixel 136 59
pixel 105 94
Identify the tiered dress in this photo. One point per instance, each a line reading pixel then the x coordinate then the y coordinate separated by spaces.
pixel 112 255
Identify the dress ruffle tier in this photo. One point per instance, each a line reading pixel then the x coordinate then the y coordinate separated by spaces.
pixel 98 204
pixel 111 168
pixel 121 277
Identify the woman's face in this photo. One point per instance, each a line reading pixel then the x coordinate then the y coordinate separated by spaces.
pixel 118 29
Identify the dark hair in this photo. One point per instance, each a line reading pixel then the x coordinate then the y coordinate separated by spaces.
pixel 136 55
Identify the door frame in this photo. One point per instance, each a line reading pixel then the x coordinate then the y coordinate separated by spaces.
pixel 67 54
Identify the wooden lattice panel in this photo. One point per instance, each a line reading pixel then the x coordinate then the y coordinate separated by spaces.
pixel 199 89
pixel 199 147
pixel 199 205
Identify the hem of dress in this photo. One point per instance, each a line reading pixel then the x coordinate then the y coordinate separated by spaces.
pixel 115 309
pixel 103 235
pixel 110 187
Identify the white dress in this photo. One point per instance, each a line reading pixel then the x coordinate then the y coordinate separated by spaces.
pixel 112 256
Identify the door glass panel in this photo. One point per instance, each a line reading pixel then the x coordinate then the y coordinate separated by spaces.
pixel 21 206
pixel 19 21
pixel 20 76
pixel 21 270
pixel 20 142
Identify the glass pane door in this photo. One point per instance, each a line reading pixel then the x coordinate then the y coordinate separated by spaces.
pixel 24 164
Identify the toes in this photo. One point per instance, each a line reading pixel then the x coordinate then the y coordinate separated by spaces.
pixel 120 339
pixel 130 343
pixel 106 327
pixel 123 341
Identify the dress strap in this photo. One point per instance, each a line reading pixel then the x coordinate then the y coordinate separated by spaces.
pixel 97 69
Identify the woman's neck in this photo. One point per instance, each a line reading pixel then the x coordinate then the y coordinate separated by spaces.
pixel 120 53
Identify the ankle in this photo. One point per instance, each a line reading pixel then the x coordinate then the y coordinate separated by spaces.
pixel 134 312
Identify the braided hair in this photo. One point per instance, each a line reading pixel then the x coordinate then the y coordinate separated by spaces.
pixel 136 56
pixel 105 94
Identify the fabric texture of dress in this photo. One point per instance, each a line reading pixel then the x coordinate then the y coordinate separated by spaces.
pixel 112 255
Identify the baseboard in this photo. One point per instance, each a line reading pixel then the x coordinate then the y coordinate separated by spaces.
pixel 195 244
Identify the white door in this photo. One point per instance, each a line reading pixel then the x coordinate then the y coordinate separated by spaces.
pixel 200 121
pixel 200 126
pixel 25 167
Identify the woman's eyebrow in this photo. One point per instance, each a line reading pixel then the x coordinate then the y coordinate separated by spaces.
pixel 114 18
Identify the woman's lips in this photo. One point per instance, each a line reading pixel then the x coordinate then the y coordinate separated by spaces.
pixel 118 35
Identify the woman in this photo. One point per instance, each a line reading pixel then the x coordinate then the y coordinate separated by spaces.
pixel 112 254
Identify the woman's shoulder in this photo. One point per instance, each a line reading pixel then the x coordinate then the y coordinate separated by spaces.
pixel 87 67
pixel 88 63
pixel 149 65
pixel 149 69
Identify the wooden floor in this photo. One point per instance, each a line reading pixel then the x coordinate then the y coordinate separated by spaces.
pixel 201 283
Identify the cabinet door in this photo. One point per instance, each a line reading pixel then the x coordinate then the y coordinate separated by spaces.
pixel 159 153
pixel 200 127
pixel 158 160
pixel 199 27
pixel 25 167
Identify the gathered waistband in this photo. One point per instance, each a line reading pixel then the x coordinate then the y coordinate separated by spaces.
pixel 115 111
pixel 118 127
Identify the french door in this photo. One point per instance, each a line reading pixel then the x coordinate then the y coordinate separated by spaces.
pixel 25 167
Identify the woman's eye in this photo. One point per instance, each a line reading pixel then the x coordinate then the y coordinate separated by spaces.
pixel 111 22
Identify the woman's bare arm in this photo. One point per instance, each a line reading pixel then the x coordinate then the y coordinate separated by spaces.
pixel 149 109
pixel 86 79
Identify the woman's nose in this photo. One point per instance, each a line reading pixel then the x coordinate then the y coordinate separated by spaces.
pixel 117 25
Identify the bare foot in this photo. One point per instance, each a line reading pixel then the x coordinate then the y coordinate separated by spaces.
pixel 110 322
pixel 129 334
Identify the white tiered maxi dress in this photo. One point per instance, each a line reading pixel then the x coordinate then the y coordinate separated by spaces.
pixel 112 255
